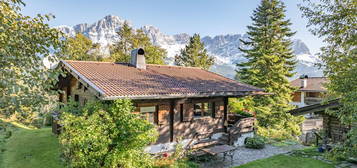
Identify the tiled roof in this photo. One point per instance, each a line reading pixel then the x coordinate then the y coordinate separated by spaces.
pixel 119 80
pixel 313 84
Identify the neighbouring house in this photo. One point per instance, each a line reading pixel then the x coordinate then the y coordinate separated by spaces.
pixel 180 101
pixel 310 91
pixel 334 131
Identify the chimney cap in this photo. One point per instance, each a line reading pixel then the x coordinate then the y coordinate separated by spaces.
pixel 304 76
pixel 138 58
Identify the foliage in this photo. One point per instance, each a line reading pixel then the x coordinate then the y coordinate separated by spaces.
pixel 346 150
pixel 256 142
pixel 177 159
pixel 24 43
pixel 270 64
pixel 241 106
pixel 106 135
pixel 81 48
pixel 335 22
pixel 130 39
pixel 283 161
pixel 194 54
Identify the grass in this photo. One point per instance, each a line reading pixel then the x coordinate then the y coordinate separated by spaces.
pixel 283 161
pixel 29 148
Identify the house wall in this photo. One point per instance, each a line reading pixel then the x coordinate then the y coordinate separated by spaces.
pixel 172 123
pixel 334 129
pixel 73 88
pixel 184 125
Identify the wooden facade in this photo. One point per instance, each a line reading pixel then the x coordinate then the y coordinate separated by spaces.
pixel 175 118
pixel 334 130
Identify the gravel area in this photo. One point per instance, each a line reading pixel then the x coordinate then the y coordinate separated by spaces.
pixel 244 155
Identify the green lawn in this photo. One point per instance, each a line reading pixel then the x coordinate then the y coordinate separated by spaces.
pixel 283 161
pixel 30 148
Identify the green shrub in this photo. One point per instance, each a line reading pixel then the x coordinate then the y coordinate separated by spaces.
pixel 106 135
pixel 346 150
pixel 256 142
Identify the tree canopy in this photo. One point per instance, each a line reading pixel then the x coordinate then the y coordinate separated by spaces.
pixel 336 23
pixel 24 43
pixel 130 39
pixel 194 54
pixel 81 48
pixel 270 62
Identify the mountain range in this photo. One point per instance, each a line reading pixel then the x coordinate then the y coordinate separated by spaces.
pixel 223 47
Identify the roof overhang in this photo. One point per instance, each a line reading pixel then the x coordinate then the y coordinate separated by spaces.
pixel 99 93
pixel 188 95
pixel 316 108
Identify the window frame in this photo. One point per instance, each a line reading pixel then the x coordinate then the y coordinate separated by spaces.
pixel 147 114
pixel 207 109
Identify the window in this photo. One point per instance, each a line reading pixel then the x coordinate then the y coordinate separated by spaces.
pixel 148 113
pixel 203 110
pixel 76 98
pixel 197 110
pixel 79 85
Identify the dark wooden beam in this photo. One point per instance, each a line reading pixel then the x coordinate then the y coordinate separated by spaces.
pixel 172 114
pixel 316 108
pixel 225 113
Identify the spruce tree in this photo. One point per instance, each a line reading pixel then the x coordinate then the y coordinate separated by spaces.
pixel 270 64
pixel 130 39
pixel 120 51
pixel 194 54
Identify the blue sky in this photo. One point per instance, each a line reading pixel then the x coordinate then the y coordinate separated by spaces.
pixel 207 17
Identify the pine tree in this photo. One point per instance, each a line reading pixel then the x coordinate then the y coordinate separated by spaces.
pixel 120 51
pixel 270 64
pixel 194 54
pixel 130 39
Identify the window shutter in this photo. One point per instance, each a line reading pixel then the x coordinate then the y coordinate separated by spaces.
pixel 163 114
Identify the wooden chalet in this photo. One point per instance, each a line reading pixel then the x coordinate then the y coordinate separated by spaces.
pixel 334 130
pixel 180 101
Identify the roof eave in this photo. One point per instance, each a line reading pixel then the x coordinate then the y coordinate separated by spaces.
pixel 191 95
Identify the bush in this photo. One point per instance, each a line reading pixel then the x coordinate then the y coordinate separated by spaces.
pixel 106 135
pixel 256 142
pixel 346 150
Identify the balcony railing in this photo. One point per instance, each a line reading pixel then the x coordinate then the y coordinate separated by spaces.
pixel 312 100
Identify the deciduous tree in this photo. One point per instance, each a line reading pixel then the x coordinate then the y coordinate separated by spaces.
pixel 336 23
pixel 81 48
pixel 24 43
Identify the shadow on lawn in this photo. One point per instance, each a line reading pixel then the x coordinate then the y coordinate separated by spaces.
pixel 27 147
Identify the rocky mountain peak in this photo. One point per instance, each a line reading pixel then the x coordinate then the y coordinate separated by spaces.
pixel 225 48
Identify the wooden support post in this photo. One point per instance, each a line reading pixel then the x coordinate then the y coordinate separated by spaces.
pixel 172 114
pixel 225 114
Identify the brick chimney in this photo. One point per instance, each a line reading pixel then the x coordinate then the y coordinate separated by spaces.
pixel 138 58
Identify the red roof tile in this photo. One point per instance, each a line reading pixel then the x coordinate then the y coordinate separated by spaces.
pixel 115 80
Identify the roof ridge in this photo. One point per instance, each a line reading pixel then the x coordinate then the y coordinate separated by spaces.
pixel 175 66
pixel 90 61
